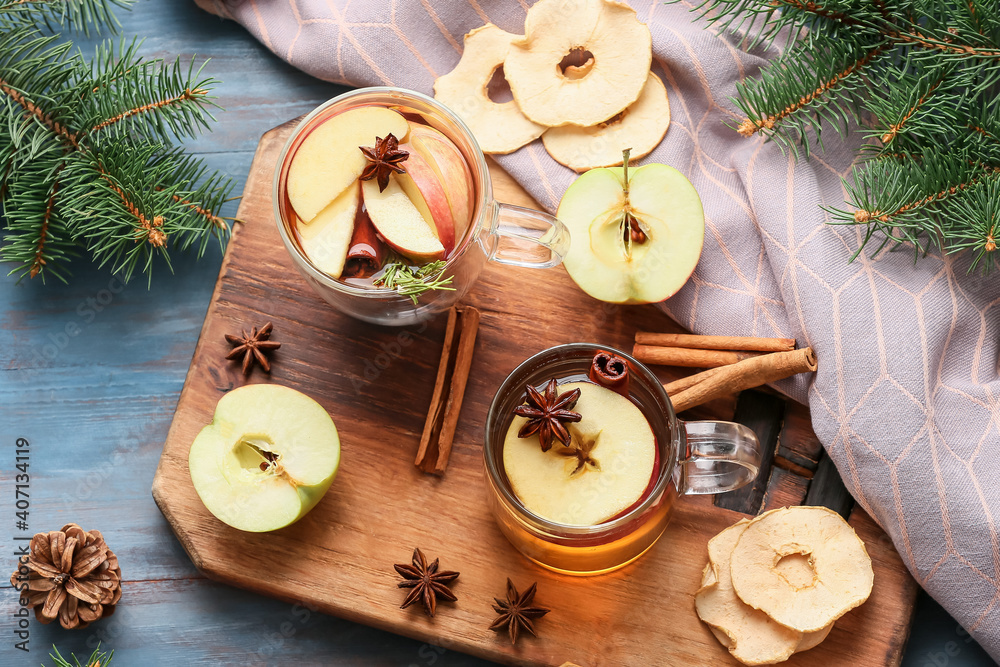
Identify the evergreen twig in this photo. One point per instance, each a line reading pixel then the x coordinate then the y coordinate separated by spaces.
pixel 98 658
pixel 925 77
pixel 87 155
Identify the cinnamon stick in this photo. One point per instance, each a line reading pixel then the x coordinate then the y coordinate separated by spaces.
pixel 432 425
pixel 744 375
pixel 715 342
pixel 688 357
pixel 449 390
pixel 366 251
pixel 469 320
pixel 680 384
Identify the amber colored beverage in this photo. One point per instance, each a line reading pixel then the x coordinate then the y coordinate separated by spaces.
pixel 489 232
pixel 368 252
pixel 692 458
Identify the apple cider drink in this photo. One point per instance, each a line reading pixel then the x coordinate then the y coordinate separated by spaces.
pixel 379 197
pixel 580 456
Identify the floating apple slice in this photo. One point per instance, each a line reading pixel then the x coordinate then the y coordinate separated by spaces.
pixel 327 238
pixel 636 235
pixel 400 222
pixel 609 475
pixel 452 171
pixel 266 459
pixel 422 185
pixel 329 159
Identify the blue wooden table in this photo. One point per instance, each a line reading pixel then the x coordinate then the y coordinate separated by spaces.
pixel 90 377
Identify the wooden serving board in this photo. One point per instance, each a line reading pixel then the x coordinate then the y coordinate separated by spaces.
pixel 377 383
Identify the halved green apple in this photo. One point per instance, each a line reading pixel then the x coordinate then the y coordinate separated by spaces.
pixel 603 472
pixel 636 233
pixel 329 159
pixel 267 458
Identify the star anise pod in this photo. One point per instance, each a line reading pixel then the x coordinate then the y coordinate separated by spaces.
pixel 69 575
pixel 515 612
pixel 253 347
pixel 383 158
pixel 547 413
pixel 427 583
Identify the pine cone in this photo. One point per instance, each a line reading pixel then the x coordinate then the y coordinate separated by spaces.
pixel 70 575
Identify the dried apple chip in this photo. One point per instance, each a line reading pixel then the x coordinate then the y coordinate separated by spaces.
pixel 753 637
pixel 640 127
pixel 842 569
pixel 498 127
pixel 621 47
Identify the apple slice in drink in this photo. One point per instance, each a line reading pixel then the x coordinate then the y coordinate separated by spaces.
pixel 636 240
pixel 267 458
pixel 451 169
pixel 329 159
pixel 327 238
pixel 400 222
pixel 422 186
pixel 604 471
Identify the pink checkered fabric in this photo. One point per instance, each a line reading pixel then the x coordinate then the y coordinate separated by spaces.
pixel 906 398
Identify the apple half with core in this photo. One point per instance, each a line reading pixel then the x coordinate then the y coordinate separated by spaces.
pixel 635 233
pixel 604 471
pixel 267 458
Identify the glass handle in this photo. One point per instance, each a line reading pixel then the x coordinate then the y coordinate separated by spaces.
pixel 528 238
pixel 721 456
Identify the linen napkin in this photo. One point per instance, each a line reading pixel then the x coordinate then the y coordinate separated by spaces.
pixel 906 397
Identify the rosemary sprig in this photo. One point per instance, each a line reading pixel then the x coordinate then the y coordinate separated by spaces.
pixel 414 281
pixel 97 659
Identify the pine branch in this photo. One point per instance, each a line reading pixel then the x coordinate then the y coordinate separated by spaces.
pixel 37 229
pixel 97 659
pixel 82 15
pixel 925 76
pixel 781 103
pixel 148 97
pixel 86 150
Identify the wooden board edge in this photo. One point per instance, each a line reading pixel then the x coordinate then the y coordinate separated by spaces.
pixel 158 492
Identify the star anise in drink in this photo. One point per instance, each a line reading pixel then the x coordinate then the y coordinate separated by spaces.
pixel 548 414
pixel 383 158
pixel 516 613
pixel 426 581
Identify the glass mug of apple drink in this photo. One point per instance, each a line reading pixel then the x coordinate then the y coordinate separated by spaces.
pixel 585 457
pixel 383 199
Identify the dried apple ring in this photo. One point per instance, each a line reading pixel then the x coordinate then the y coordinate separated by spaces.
pixel 619 43
pixel 498 127
pixel 843 570
pixel 750 635
pixel 640 127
